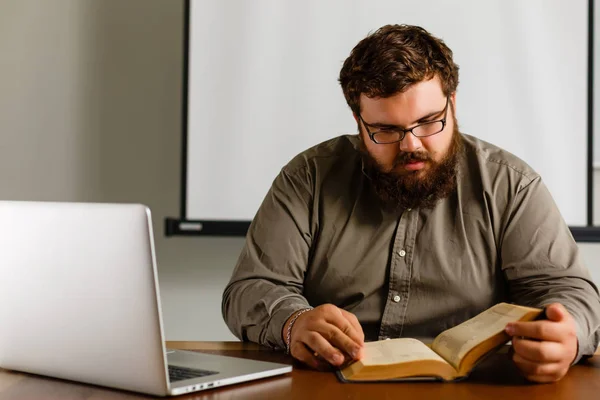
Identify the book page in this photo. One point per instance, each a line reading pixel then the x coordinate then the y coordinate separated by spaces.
pixel 396 351
pixel 453 344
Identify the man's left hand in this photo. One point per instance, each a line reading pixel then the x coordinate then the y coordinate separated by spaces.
pixel 545 349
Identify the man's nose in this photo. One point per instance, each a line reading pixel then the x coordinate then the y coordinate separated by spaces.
pixel 410 143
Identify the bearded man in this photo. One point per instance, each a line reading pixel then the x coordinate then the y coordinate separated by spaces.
pixel 408 228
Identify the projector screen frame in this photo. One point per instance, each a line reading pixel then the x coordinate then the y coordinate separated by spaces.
pixel 182 226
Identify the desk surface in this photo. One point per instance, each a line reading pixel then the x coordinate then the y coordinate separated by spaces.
pixel 496 378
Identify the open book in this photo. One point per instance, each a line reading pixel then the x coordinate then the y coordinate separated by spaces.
pixel 451 356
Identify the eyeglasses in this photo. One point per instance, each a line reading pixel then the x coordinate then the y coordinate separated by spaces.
pixel 393 134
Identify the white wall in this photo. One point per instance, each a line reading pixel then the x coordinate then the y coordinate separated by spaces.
pixel 597 85
pixel 90 98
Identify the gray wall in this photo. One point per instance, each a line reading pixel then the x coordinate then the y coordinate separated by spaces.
pixel 90 99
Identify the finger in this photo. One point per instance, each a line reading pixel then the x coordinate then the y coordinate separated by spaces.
pixel 539 372
pixel 541 330
pixel 342 341
pixel 351 341
pixel 300 352
pixel 538 351
pixel 355 324
pixel 557 312
pixel 323 347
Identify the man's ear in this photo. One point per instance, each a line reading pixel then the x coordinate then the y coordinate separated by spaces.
pixel 357 125
pixel 453 100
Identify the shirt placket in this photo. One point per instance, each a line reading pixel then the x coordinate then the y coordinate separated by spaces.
pixel 394 314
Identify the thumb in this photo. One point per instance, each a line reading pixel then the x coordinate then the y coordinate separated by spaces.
pixel 556 312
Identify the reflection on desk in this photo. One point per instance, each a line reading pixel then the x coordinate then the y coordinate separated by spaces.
pixel 496 378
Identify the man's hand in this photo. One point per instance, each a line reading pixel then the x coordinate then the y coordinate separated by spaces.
pixel 324 336
pixel 544 350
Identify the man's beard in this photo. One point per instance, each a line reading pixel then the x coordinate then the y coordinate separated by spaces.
pixel 413 190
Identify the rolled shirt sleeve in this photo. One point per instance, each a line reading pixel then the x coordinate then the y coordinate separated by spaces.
pixel 267 284
pixel 542 264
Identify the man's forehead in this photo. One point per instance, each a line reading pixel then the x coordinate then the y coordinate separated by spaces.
pixel 420 100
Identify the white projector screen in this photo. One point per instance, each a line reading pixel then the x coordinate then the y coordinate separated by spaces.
pixel 262 87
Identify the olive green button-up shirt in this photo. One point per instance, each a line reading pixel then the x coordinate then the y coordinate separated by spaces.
pixel 321 236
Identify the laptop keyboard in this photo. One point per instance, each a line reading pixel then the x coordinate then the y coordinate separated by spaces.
pixel 182 373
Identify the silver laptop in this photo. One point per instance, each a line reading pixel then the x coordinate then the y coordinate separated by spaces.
pixel 79 300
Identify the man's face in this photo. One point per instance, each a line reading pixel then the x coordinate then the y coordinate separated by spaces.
pixel 424 101
pixel 417 171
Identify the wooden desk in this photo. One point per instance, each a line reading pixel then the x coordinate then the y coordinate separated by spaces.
pixel 496 378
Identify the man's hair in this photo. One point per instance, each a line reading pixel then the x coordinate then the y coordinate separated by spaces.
pixel 392 59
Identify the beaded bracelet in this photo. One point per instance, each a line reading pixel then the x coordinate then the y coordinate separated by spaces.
pixel 288 336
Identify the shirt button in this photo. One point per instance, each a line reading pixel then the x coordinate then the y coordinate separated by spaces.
pixel 396 298
pixel 401 253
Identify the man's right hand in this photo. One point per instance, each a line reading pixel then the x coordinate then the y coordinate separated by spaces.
pixel 324 336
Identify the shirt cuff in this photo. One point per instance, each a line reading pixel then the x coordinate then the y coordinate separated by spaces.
pixel 278 319
pixel 586 346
